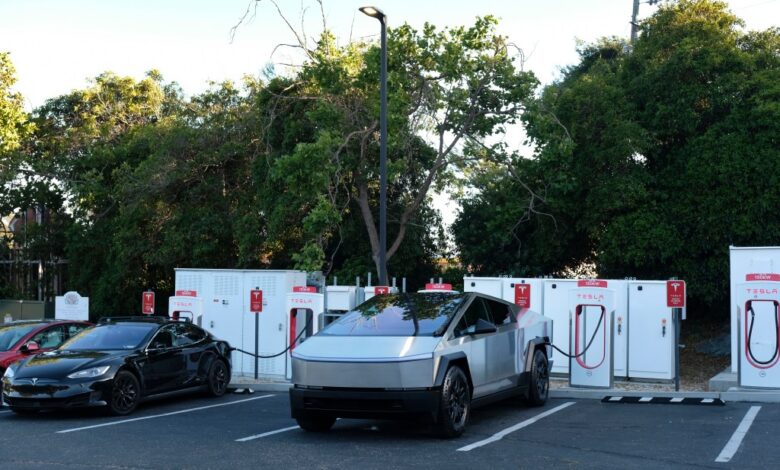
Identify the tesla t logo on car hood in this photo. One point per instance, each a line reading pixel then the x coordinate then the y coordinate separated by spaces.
pixel 34 380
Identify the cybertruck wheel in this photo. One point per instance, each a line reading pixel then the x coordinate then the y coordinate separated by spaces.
pixel 455 404
pixel 218 379
pixel 125 394
pixel 539 388
pixel 316 423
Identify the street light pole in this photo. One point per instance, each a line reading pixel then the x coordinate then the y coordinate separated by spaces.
pixel 379 15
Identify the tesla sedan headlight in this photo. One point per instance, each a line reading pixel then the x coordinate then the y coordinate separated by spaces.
pixel 9 372
pixel 91 372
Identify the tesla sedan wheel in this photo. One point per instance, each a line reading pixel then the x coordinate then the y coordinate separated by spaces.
pixel 125 393
pixel 539 387
pixel 218 379
pixel 455 403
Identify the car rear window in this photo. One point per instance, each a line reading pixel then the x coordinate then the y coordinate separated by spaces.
pixel 11 334
pixel 416 314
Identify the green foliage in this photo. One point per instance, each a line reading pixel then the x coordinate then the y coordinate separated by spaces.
pixel 650 163
pixel 12 115
pixel 282 173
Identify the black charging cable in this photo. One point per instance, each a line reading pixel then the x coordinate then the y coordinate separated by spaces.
pixel 275 355
pixel 575 356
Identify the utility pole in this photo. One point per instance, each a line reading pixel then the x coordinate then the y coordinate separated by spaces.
pixel 634 14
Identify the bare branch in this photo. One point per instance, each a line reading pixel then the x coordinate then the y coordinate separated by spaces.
pixel 244 18
pixel 301 41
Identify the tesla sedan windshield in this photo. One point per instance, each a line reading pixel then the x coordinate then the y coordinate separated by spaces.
pixel 107 337
pixel 398 315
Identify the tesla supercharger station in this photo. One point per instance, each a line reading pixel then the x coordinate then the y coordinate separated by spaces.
pixel 226 295
pixel 305 307
pixel 591 313
pixel 758 309
pixel 555 298
pixel 341 299
pixel 744 261
pixel 371 291
pixel 186 304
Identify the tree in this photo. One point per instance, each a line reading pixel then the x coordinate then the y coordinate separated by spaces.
pixel 652 163
pixel 450 90
pixel 12 115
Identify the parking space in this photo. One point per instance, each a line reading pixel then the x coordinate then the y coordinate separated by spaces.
pixel 241 431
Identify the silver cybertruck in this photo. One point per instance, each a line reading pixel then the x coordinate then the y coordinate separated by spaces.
pixel 433 355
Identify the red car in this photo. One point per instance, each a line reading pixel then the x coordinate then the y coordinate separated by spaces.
pixel 22 338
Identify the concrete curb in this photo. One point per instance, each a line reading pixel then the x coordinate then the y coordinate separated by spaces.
pixel 275 387
pixel 730 396
pixel 591 394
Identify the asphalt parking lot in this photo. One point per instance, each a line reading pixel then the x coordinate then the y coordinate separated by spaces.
pixel 255 431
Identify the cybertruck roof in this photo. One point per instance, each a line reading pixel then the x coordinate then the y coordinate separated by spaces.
pixel 405 314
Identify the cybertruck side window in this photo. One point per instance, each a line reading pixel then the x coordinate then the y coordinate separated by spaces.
pixel 468 322
pixel 501 313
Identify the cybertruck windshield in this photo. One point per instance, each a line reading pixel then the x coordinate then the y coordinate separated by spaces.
pixel 416 314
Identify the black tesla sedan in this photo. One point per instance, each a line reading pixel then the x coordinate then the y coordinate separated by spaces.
pixel 117 364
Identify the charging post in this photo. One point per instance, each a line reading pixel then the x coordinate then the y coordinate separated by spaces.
pixel 675 298
pixel 256 306
pixel 758 308
pixel 591 348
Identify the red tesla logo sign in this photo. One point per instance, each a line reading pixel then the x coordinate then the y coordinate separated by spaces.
pixel 438 286
pixel 147 303
pixel 591 283
pixel 381 290
pixel 675 294
pixel 763 277
pixel 186 293
pixel 309 289
pixel 523 295
pixel 255 301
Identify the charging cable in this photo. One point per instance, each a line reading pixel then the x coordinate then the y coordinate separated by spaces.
pixel 575 356
pixel 274 355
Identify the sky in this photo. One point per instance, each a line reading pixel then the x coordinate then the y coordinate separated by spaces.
pixel 58 45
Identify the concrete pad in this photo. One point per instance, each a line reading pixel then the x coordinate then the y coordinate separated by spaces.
pixel 723 381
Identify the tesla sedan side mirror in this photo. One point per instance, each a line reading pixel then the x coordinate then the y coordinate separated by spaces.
pixel 30 348
pixel 483 327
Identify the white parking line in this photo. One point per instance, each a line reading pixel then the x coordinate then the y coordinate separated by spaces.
pixel 189 410
pixel 500 435
pixel 269 433
pixel 732 446
pixel 677 400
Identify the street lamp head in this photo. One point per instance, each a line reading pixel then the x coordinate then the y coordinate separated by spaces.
pixel 373 12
